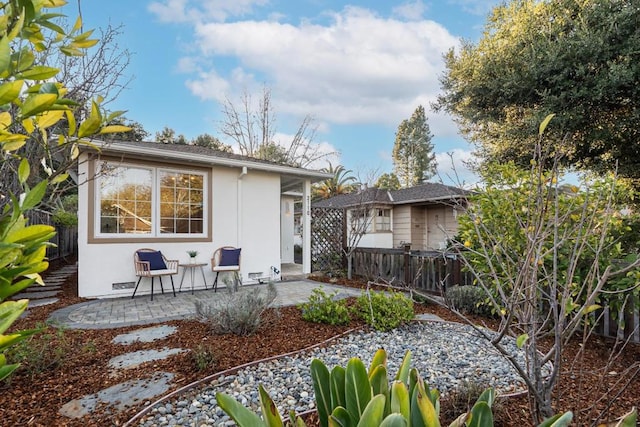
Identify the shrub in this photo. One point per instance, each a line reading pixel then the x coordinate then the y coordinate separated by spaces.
pixel 204 357
pixel 384 310
pixel 41 352
pixel 468 299
pixel 238 313
pixel 325 308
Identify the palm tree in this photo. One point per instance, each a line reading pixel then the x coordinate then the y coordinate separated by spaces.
pixel 342 182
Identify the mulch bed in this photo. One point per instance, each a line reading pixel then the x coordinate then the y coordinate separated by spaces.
pixel 64 365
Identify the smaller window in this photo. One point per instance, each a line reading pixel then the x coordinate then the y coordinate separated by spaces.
pixel 383 220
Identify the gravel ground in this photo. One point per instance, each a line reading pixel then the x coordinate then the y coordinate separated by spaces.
pixel 445 354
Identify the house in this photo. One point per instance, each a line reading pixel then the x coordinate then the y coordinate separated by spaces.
pixel 179 198
pixel 424 216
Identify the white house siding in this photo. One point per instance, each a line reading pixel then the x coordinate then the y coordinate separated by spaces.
pixel 401 225
pixel 376 240
pixel 257 231
pixel 286 230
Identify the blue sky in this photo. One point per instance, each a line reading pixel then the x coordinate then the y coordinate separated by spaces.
pixel 358 67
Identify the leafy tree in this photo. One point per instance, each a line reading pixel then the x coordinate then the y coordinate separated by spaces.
pixel 210 141
pixel 136 133
pixel 168 136
pixel 274 153
pixel 342 182
pixel 414 161
pixel 252 128
pixel 575 58
pixel 388 181
pixel 100 72
pixel 33 104
pixel 546 255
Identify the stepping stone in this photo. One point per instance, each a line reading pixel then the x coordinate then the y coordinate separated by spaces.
pixel 429 317
pixel 136 358
pixel 119 396
pixel 145 335
pixel 35 295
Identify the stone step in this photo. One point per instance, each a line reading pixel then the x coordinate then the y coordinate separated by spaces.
pixel 35 295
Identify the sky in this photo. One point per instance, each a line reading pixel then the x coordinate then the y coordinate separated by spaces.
pixel 357 67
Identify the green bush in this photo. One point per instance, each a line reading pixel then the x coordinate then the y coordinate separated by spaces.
pixel 237 312
pixel 468 299
pixel 204 357
pixel 384 310
pixel 42 352
pixel 325 308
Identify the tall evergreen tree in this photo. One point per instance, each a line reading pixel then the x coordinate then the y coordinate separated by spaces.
pixel 414 161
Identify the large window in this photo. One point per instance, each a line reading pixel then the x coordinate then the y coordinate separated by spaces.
pixel 149 201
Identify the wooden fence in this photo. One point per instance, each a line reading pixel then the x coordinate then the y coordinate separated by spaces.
pixel 429 271
pixel 65 240
pixel 435 271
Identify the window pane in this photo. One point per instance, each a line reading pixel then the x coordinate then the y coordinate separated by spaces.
pixel 182 202
pixel 125 199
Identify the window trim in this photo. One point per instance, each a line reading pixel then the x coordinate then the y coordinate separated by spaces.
pixel 93 223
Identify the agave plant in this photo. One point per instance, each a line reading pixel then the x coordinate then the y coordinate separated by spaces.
pixel 357 397
pixel 353 396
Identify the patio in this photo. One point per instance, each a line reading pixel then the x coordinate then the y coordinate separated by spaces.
pixel 119 312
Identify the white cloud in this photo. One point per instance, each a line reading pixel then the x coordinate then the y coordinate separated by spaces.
pixel 326 152
pixel 210 82
pixel 411 11
pixel 360 68
pixel 453 168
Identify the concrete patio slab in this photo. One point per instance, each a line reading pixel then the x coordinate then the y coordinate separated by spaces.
pixel 119 312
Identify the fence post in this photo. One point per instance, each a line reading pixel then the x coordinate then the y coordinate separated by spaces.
pixel 407 265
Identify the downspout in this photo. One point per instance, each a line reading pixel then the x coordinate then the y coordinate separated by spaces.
pixel 239 206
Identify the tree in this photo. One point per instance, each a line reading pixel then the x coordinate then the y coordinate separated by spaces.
pixel 342 182
pixel 33 104
pixel 168 136
pixel 546 255
pixel 86 74
pixel 209 141
pixel 388 181
pixel 252 129
pixel 137 132
pixel 414 161
pixel 578 59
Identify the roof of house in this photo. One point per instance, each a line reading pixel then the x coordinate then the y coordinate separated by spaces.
pixel 427 192
pixel 202 155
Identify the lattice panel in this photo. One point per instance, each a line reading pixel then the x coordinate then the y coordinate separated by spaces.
pixel 327 234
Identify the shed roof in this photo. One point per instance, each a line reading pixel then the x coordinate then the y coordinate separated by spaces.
pixel 427 192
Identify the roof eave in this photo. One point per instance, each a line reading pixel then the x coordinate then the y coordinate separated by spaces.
pixel 114 147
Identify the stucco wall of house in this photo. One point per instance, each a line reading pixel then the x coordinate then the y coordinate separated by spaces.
pixel 245 213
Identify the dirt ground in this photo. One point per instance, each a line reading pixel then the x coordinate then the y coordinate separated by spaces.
pixel 61 365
